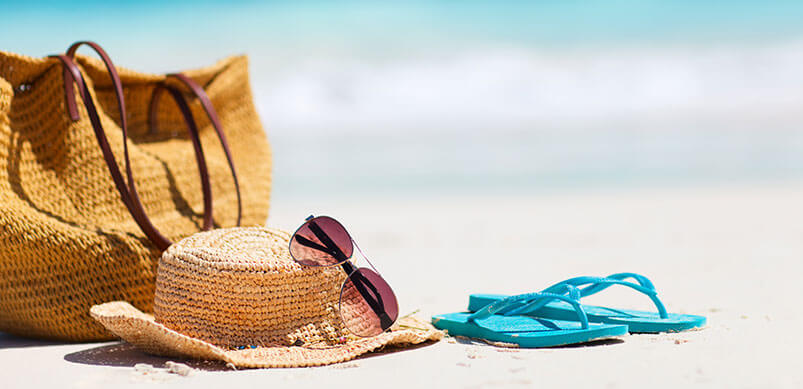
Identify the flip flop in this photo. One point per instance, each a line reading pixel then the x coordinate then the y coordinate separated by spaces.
pixel 637 321
pixel 527 331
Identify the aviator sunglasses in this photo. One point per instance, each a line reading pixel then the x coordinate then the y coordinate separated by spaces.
pixel 367 304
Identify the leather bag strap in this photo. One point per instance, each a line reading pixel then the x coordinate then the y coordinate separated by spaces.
pixel 134 207
pixel 206 103
pixel 128 191
pixel 203 169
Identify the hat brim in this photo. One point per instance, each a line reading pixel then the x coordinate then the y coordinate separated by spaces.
pixel 141 330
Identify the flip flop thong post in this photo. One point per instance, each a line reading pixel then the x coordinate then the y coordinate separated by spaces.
pixel 637 321
pixel 526 331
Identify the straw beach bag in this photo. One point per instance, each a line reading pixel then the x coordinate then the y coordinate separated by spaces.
pixel 102 168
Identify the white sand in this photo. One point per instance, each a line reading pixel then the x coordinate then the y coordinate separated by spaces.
pixel 732 254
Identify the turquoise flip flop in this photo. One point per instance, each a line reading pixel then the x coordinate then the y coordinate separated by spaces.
pixel 637 321
pixel 527 331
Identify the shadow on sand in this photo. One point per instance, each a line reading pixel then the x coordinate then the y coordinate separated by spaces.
pixel 593 343
pixel 12 341
pixel 126 355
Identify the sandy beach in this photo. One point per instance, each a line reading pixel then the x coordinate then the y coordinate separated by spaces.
pixel 732 254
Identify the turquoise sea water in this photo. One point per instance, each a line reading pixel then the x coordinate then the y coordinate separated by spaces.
pixel 470 96
pixel 548 22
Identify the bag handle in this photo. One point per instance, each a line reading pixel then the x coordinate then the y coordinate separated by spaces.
pixel 203 169
pixel 134 206
pixel 128 192
pixel 206 103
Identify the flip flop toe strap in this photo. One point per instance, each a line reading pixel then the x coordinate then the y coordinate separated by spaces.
pixel 592 285
pixel 595 288
pixel 521 302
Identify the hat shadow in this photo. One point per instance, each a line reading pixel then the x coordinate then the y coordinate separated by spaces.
pixel 123 354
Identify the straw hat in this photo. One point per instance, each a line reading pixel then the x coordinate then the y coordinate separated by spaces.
pixel 237 296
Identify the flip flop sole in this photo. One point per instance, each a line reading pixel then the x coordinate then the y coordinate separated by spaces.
pixel 525 331
pixel 637 321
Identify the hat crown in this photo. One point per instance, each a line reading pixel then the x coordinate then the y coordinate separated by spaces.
pixel 240 287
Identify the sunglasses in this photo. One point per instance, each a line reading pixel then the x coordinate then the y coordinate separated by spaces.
pixel 368 306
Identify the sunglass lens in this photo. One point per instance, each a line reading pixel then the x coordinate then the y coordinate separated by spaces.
pixel 321 241
pixel 368 305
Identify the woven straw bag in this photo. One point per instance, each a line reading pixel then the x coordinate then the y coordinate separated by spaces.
pixel 237 296
pixel 98 175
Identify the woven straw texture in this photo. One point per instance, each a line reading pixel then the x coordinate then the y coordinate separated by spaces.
pixel 220 290
pixel 67 240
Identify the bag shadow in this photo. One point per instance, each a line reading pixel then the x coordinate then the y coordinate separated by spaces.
pixel 9 341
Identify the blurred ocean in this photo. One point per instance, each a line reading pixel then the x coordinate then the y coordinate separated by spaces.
pixel 450 97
